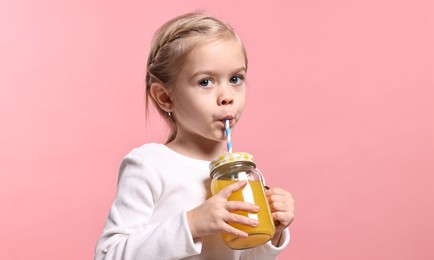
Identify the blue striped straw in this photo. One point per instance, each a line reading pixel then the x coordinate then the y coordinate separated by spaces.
pixel 228 135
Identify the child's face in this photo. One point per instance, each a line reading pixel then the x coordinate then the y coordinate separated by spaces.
pixel 210 87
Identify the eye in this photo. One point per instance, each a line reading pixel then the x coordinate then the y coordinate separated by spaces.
pixel 206 83
pixel 236 80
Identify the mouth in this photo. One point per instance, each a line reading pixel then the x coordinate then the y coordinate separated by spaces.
pixel 231 121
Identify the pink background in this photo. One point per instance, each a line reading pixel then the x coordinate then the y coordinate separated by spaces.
pixel 340 112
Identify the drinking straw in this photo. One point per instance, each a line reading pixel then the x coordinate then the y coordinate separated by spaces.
pixel 228 135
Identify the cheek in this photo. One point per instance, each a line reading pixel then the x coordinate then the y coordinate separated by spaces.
pixel 189 107
pixel 241 99
pixel 181 101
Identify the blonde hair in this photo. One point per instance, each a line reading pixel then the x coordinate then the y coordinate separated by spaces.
pixel 171 43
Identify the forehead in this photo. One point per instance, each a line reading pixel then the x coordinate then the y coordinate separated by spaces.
pixel 217 54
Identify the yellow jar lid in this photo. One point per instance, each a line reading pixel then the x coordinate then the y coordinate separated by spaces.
pixel 231 157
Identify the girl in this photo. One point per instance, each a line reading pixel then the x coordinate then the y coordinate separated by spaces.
pixel 163 209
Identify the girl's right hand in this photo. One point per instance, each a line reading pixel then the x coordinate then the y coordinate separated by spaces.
pixel 214 214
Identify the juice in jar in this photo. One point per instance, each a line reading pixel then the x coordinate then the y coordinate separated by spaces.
pixel 253 193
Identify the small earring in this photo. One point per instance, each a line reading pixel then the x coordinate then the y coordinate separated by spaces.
pixel 169 113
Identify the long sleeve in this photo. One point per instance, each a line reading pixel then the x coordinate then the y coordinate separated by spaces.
pixel 129 231
pixel 147 220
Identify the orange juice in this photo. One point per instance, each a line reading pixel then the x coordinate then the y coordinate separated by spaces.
pixel 253 193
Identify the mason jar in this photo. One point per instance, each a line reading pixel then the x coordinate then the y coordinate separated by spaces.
pixel 233 167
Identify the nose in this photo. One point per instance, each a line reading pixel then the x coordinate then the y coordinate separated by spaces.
pixel 226 96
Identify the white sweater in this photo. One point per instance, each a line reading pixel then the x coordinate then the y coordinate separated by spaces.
pixel 156 187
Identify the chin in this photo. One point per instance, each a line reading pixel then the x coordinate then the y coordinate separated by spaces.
pixel 218 136
pixel 219 139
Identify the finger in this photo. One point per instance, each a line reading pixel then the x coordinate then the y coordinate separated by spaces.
pixel 277 191
pixel 277 198
pixel 242 206
pixel 228 190
pixel 242 220
pixel 233 231
pixel 279 206
pixel 282 218
pixel 283 198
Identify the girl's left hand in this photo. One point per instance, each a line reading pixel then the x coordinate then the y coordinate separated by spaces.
pixel 282 209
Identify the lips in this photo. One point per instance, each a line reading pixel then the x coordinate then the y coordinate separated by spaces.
pixel 230 118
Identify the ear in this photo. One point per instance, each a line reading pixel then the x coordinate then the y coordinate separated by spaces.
pixel 161 96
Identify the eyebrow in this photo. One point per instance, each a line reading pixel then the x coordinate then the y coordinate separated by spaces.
pixel 210 72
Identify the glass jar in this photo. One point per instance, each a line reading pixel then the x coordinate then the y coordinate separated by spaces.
pixel 233 167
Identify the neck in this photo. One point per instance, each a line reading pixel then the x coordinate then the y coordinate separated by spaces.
pixel 205 149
